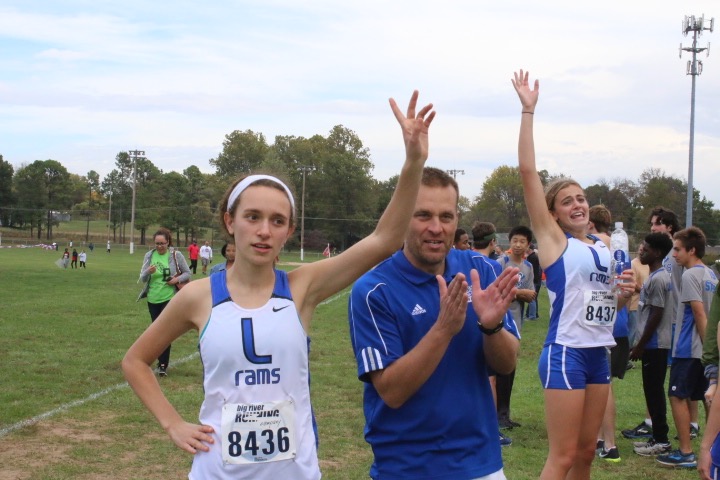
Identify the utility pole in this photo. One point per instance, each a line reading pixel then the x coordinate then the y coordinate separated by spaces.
pixel 304 169
pixel 455 172
pixel 109 214
pixel 134 155
pixel 694 68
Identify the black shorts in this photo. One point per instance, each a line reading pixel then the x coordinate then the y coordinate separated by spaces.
pixel 619 356
pixel 687 379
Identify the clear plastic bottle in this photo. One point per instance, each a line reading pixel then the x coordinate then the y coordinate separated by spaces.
pixel 619 248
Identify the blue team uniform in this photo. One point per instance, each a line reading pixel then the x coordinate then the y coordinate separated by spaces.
pixel 582 317
pixel 448 429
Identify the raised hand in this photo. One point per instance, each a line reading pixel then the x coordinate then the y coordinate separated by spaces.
pixel 491 304
pixel 414 127
pixel 528 96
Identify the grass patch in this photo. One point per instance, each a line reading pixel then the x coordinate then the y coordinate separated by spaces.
pixel 64 333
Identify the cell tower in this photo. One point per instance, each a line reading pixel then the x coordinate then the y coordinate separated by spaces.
pixel 694 67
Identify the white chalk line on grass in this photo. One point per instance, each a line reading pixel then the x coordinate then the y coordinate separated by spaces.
pixel 76 403
pixel 335 297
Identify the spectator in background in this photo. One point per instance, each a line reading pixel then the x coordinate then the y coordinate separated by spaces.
pixel 83 258
pixel 532 257
pixel 665 221
pixel 73 262
pixel 520 237
pixel 654 340
pixel 687 376
pixel 599 227
pixel 108 246
pixel 65 258
pixel 484 243
pixel 193 252
pixel 162 269
pixel 641 272
pixel 91 246
pixel 227 251
pixel 462 240
pixel 709 461
pixel 206 254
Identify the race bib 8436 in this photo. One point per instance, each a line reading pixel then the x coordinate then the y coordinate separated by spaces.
pixel 258 432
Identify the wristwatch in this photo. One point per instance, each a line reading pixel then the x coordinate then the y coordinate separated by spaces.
pixel 490 331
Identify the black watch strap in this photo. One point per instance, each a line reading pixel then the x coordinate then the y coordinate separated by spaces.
pixel 490 331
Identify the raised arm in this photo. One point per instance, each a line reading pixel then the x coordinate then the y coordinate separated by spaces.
pixel 310 283
pixel 550 237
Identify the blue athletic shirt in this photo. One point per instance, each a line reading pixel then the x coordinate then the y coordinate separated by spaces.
pixel 655 292
pixel 698 285
pixel 448 429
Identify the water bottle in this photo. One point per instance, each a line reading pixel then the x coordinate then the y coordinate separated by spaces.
pixel 620 253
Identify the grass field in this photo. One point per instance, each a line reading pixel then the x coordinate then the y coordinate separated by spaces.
pixel 66 413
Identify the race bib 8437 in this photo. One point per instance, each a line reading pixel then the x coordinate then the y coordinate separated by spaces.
pixel 600 308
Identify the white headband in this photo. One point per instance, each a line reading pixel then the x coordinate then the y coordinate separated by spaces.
pixel 247 181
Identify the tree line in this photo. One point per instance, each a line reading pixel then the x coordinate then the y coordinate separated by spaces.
pixel 342 199
pixel 630 201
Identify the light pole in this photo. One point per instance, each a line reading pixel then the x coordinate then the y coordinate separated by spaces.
pixel 304 169
pixel 694 68
pixel 134 155
pixel 109 215
pixel 455 172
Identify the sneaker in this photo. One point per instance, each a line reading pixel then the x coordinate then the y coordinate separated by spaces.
pixel 162 371
pixel 630 365
pixel 641 431
pixel 505 441
pixel 651 448
pixel 678 459
pixel 612 455
pixel 599 447
pixel 506 423
pixel 694 432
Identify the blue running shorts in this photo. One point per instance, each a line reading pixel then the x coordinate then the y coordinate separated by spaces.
pixel 568 368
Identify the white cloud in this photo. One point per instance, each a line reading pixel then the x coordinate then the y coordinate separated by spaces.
pixel 91 79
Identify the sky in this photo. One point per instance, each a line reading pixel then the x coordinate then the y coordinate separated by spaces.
pixel 84 80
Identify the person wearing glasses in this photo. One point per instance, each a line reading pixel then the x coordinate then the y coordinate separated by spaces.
pixel 162 269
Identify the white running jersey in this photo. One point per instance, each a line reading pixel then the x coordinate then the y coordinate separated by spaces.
pixel 578 283
pixel 257 390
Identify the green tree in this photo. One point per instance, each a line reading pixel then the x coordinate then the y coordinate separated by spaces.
pixel 112 187
pixel 44 185
pixel 174 211
pixel 197 202
pixel 501 201
pixel 7 197
pixel 148 196
pixel 342 190
pixel 242 152
pixel 615 200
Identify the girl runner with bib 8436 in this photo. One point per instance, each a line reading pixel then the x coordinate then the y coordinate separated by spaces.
pixel 256 420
